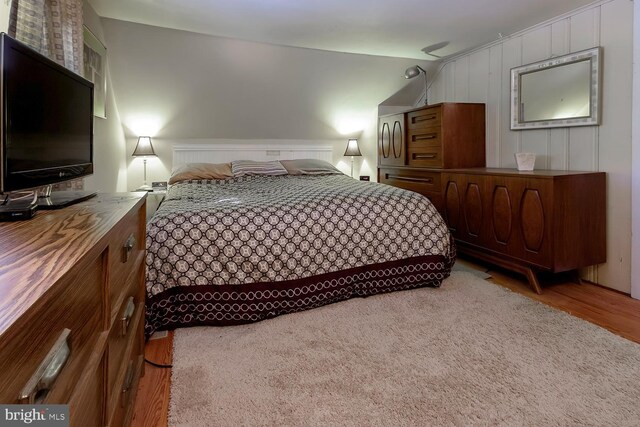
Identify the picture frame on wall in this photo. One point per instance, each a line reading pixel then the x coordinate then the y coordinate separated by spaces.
pixel 95 70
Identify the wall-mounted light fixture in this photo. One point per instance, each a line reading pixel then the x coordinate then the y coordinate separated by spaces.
pixel 415 71
pixel 144 149
pixel 352 150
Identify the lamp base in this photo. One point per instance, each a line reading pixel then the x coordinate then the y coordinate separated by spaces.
pixel 144 188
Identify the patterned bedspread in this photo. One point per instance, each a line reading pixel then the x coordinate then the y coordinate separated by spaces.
pixel 244 249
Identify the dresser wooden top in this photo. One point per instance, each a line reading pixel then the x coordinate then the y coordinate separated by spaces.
pixel 425 107
pixel 537 173
pixel 36 253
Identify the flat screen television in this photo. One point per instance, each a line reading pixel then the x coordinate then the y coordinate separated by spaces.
pixel 46 123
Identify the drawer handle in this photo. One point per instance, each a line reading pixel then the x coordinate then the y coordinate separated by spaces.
pixel 424 156
pixel 126 386
pixel 424 118
pixel 38 386
pixel 127 315
pixel 408 178
pixel 425 137
pixel 128 247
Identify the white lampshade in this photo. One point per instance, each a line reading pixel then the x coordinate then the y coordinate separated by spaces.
pixel 352 148
pixel 144 147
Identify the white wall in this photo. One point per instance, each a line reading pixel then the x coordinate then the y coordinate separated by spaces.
pixel 109 143
pixel 5 6
pixel 483 76
pixel 635 162
pixel 175 85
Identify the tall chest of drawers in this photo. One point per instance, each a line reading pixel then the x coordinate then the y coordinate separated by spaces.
pixel 448 135
pixel 72 294
pixel 416 145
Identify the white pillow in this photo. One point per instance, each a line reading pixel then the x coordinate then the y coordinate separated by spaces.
pixel 251 167
pixel 309 167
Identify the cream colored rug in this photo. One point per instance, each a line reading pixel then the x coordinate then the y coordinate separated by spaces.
pixel 468 353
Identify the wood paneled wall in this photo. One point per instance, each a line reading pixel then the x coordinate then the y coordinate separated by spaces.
pixel 483 76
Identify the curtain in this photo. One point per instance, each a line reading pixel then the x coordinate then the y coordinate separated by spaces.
pixel 52 27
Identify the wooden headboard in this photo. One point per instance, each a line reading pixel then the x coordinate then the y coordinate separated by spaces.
pixel 223 153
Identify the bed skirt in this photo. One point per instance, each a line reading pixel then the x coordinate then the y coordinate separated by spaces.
pixel 223 305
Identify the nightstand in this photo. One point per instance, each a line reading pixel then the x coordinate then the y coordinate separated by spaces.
pixel 154 199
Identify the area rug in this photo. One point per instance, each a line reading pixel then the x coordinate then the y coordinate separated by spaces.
pixel 467 353
pixel 462 266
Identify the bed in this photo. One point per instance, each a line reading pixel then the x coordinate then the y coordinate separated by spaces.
pixel 247 247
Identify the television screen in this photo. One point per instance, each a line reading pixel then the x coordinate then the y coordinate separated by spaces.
pixel 47 129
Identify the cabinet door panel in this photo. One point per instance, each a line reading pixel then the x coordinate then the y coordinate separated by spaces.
pixel 465 207
pixel 473 209
pixel 391 140
pixel 452 206
pixel 532 220
pixel 385 141
pixel 397 142
pixel 535 221
pixel 502 214
pixel 474 229
pixel 518 221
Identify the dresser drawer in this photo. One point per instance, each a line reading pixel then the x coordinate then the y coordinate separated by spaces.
pixel 429 157
pixel 68 319
pixel 124 338
pixel 126 252
pixel 425 118
pixel 124 395
pixel 422 138
pixel 86 404
pixel 56 311
pixel 415 180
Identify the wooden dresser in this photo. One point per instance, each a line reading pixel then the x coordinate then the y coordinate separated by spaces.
pixel 72 293
pixel 551 221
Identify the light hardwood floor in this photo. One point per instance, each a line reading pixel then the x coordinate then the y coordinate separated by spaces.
pixel 612 310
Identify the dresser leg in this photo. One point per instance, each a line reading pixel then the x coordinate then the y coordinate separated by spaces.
pixel 576 277
pixel 518 267
pixel 533 280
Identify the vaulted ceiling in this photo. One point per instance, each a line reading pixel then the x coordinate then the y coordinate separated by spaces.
pixel 396 28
